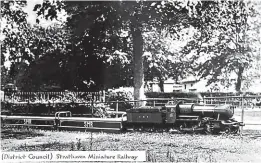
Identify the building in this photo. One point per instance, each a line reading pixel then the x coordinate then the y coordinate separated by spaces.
pixel 195 84
pixel 169 86
pixel 188 84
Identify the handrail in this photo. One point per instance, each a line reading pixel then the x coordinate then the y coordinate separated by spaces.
pixel 57 114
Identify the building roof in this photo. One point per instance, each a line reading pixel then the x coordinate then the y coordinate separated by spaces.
pixel 169 81
pixel 189 79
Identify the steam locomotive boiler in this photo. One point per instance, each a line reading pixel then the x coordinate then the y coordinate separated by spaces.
pixel 184 117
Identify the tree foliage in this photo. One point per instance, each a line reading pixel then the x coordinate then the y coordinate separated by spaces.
pixel 25 46
pixel 103 29
pixel 222 43
pixel 104 41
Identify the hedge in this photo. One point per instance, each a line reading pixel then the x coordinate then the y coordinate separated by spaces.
pixel 173 95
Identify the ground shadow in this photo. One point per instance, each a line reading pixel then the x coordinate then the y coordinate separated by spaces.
pixel 18 134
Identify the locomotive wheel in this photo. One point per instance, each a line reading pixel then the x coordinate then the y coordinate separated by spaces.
pixel 227 130
pixel 159 130
pixel 153 129
pixel 180 127
pixel 135 128
pixel 141 128
pixel 208 130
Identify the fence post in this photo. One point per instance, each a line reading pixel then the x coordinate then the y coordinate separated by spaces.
pixel 211 98
pixel 92 103
pixel 103 95
pixel 4 95
pixel 117 108
pixel 242 114
pixel 12 96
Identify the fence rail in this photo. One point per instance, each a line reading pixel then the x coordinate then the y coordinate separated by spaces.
pixel 247 101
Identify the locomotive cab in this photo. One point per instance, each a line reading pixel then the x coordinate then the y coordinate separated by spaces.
pixel 171 112
pixel 171 115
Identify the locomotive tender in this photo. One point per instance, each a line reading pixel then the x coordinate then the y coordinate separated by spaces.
pixel 177 115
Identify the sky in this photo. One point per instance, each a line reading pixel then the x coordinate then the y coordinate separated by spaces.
pixel 43 22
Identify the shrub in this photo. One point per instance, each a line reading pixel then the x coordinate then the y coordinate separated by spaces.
pixel 120 95
pixel 172 95
pixel 218 94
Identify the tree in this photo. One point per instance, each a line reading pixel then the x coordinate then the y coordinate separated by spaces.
pixel 108 20
pixel 222 43
pixel 163 57
pixel 25 44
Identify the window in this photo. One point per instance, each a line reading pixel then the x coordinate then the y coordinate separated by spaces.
pixel 185 86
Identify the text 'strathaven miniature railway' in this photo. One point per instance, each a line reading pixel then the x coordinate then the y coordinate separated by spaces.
pixel 179 116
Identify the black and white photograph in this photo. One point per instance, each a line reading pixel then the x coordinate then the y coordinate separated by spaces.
pixel 130 81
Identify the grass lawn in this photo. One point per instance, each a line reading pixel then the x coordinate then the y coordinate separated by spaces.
pixel 160 146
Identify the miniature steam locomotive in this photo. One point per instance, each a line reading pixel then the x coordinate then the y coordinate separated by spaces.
pixel 182 116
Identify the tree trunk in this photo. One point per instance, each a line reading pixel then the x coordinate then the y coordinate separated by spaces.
pixel 161 84
pixel 138 65
pixel 239 78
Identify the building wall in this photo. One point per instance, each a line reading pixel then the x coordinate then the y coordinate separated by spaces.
pixel 188 85
pixel 155 87
pixel 168 87
pixel 201 86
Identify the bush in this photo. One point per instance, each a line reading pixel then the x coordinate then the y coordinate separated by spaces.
pixel 172 95
pixel 218 94
pixel 120 95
